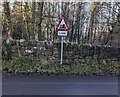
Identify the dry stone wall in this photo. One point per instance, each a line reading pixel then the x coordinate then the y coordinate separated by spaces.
pixel 50 52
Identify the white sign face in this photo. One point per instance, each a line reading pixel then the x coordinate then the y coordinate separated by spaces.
pixel 62 24
pixel 62 33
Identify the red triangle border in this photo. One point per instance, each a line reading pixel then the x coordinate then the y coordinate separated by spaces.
pixel 64 29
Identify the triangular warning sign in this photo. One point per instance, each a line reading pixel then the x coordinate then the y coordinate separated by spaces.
pixel 62 25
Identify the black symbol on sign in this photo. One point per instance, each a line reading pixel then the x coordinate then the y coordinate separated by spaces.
pixel 62 26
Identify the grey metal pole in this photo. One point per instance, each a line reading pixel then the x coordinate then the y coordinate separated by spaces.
pixel 61 61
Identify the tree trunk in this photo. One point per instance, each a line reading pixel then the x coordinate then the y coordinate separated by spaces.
pixel 7 20
pixel 40 9
pixel 33 19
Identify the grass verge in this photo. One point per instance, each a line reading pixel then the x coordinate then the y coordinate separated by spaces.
pixel 28 66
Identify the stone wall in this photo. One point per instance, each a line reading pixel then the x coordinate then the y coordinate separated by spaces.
pixel 50 52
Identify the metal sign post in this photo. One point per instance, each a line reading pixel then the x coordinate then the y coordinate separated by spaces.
pixel 61 61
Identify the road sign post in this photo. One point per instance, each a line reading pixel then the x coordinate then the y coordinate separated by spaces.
pixel 62 31
pixel 61 59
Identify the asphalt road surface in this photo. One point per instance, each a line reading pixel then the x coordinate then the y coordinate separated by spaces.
pixel 58 85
